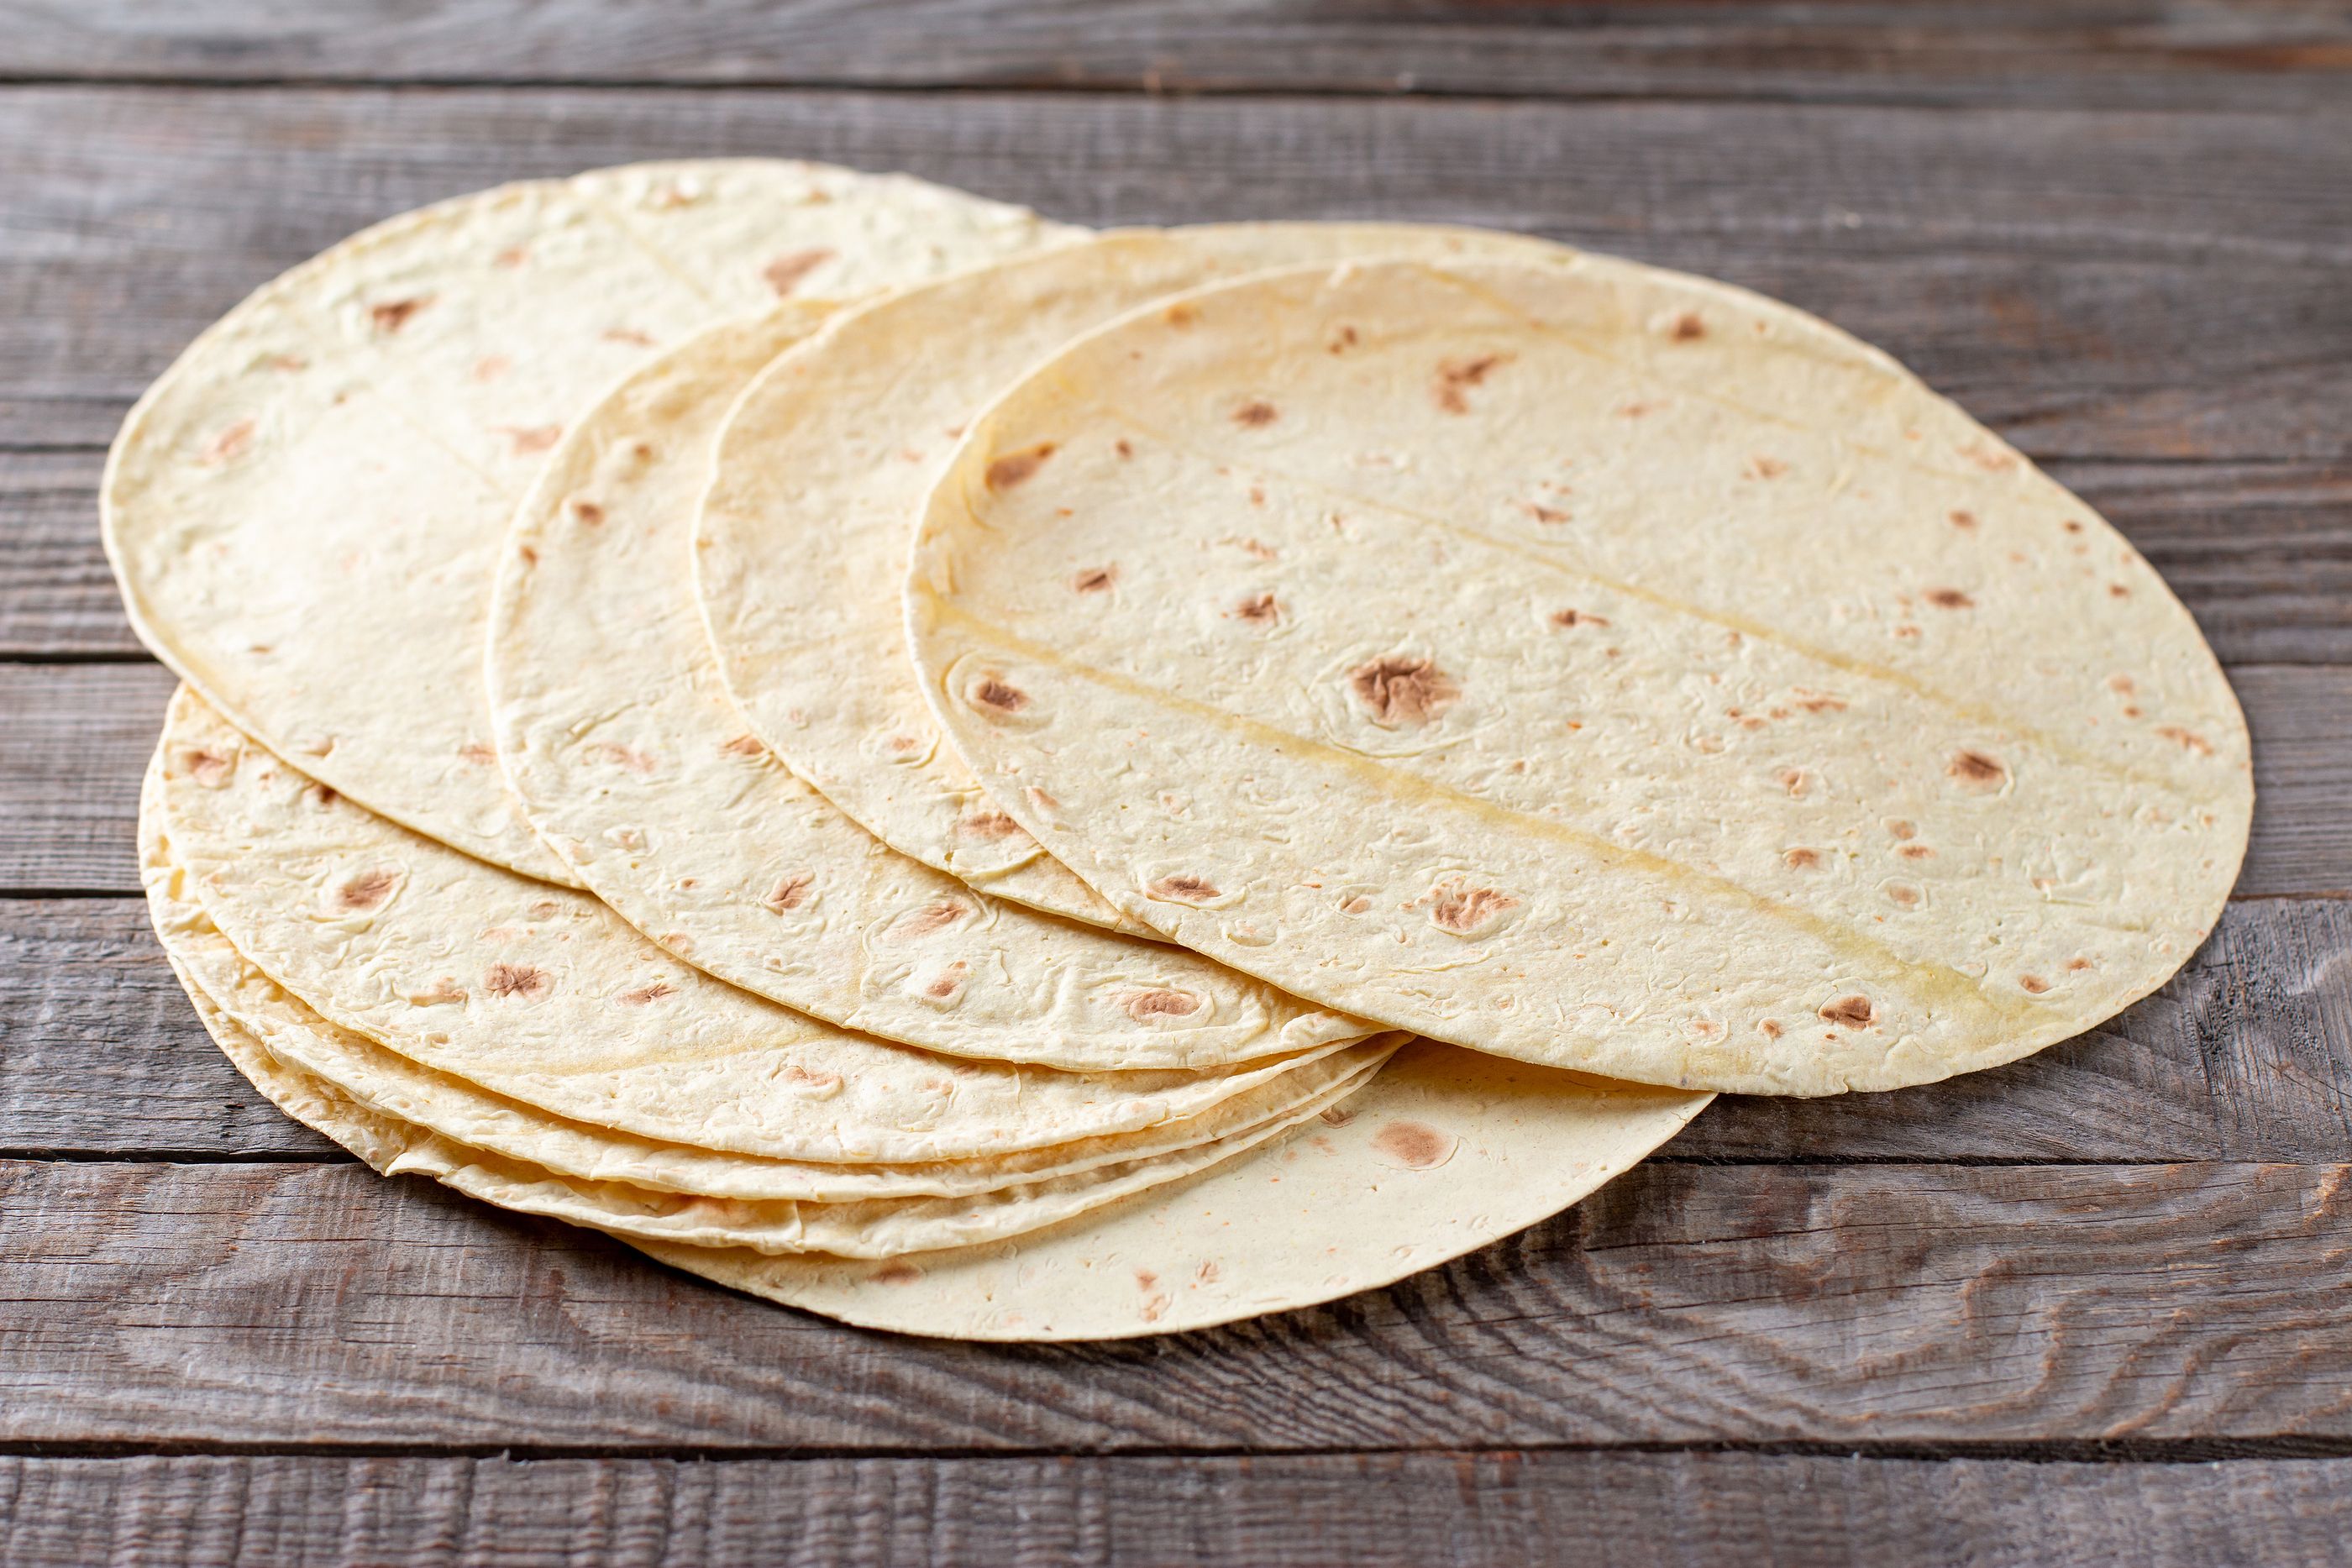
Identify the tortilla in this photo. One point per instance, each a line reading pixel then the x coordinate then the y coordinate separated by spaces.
pixel 544 996
pixel 632 763
pixel 388 1084
pixel 304 510
pixel 823 466
pixel 1593 665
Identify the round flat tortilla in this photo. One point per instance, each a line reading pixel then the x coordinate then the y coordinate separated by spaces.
pixel 632 763
pixel 1589 664
pixel 305 509
pixel 544 996
pixel 823 466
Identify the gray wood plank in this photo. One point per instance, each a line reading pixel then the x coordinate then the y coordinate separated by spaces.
pixel 2261 553
pixel 2246 1055
pixel 283 1304
pixel 1627 1511
pixel 75 738
pixel 2158 287
pixel 2147 53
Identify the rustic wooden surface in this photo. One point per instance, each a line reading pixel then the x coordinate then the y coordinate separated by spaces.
pixel 2095 1306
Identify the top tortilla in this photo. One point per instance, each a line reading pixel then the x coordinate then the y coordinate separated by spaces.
pixel 304 510
pixel 823 466
pixel 1594 665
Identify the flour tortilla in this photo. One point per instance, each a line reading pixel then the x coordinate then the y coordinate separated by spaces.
pixel 1593 665
pixel 544 996
pixel 824 465
pixel 873 1228
pixel 634 765
pixel 304 511
pixel 389 1085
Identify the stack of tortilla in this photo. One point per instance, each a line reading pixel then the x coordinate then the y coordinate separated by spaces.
pixel 993 781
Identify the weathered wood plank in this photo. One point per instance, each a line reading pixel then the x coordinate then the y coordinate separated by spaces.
pixel 2159 286
pixel 2261 553
pixel 157 1304
pixel 2246 1055
pixel 2144 53
pixel 1628 1510
pixel 75 738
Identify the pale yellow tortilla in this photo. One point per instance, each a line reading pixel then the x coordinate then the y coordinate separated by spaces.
pixel 824 463
pixel 544 996
pixel 630 760
pixel 304 511
pixel 1589 664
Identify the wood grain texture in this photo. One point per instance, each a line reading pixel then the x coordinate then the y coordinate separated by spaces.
pixel 2149 53
pixel 1434 1510
pixel 2246 1055
pixel 161 1305
pixel 75 738
pixel 2261 553
pixel 2152 287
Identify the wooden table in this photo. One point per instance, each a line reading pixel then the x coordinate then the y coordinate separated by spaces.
pixel 2096 1306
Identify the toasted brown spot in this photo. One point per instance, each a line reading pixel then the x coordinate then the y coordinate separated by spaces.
pixel 898 1273
pixel 1551 515
pixel 950 981
pixel 1763 467
pixel 1356 905
pixel 1256 414
pixel 587 511
pixel 1335 1116
pixel 1904 894
pixel 1044 802
pixel 289 363
pixel 1771 1028
pixel 1184 888
pixel 1206 1274
pixel 1181 315
pixel 512 257
pixel 2117 590
pixel 228 444
pixel 394 314
pixel 929 918
pixel 530 556
pixel 1145 1006
pixel 645 994
pixel 744 745
pixel 629 335
pixel 991 693
pixel 2187 739
pixel 491 367
pixel 1402 689
pixel 1852 1012
pixel 1465 910
pixel 367 890
pixel 823 1083
pixel 1015 466
pixel 1343 339
pixel 1794 780
pixel 440 992
pixel 321 796
pixel 791 890
pixel 1256 550
pixel 1637 409
pixel 786 272
pixel 1987 459
pixel 1094 579
pixel 1453 377
pixel 1901 828
pixel 1257 609
pixel 1123 446
pixel 479 753
pixel 209 769
pixel 2078 963
pixel 988 825
pixel 1567 618
pixel 1949 598
pixel 2035 984
pixel 626 757
pixel 1916 853
pixel 1802 859
pixel 1963 519
pixel 536 438
pixel 517 980
pixel 1415 1146
pixel 1976 768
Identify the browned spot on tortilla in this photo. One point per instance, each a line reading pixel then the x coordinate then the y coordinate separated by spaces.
pixel 1964 519
pixel 991 825
pixel 645 994
pixel 629 335
pixel 1123 446
pixel 1987 459
pixel 786 272
pixel 1400 688
pixel 791 890
pixel 1453 377
pixel 321 796
pixel 1181 315
pixel 950 981
pixel 536 438
pixel 1356 905
pixel 1551 515
pixel 1901 828
pixel 367 890
pixel 1976 768
pixel 1206 1274
pixel 441 991
pixel 2078 963
pixel 1257 609
pixel 394 314
pixel 2187 739
pixel 626 757
pixel 993 694
pixel 512 257
pixel 1340 342
pixel 899 1272
pixel 517 980
pixel 821 1081
pixel 287 362
pixel 209 769
pixel 228 444
pixel 1258 549
pixel 1417 1145
pixel 1802 859
pixel 1015 466
pixel 1094 579
pixel 1567 618
pixel 1336 1115
pixel 1145 1006
pixel 1463 910
pixel 744 745
pixel 1949 598
pixel 1794 780
pixel 1916 853
pixel 1256 413
pixel 1904 894
pixel 491 367
pixel 1687 327
pixel 2035 984
pixel 587 511
pixel 929 918
pixel 1852 1012
pixel 2117 590
pixel 1771 1028
pixel 1637 409
pixel 479 753
pixel 1184 888
pixel 530 556
pixel 1763 467
pixel 1041 801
